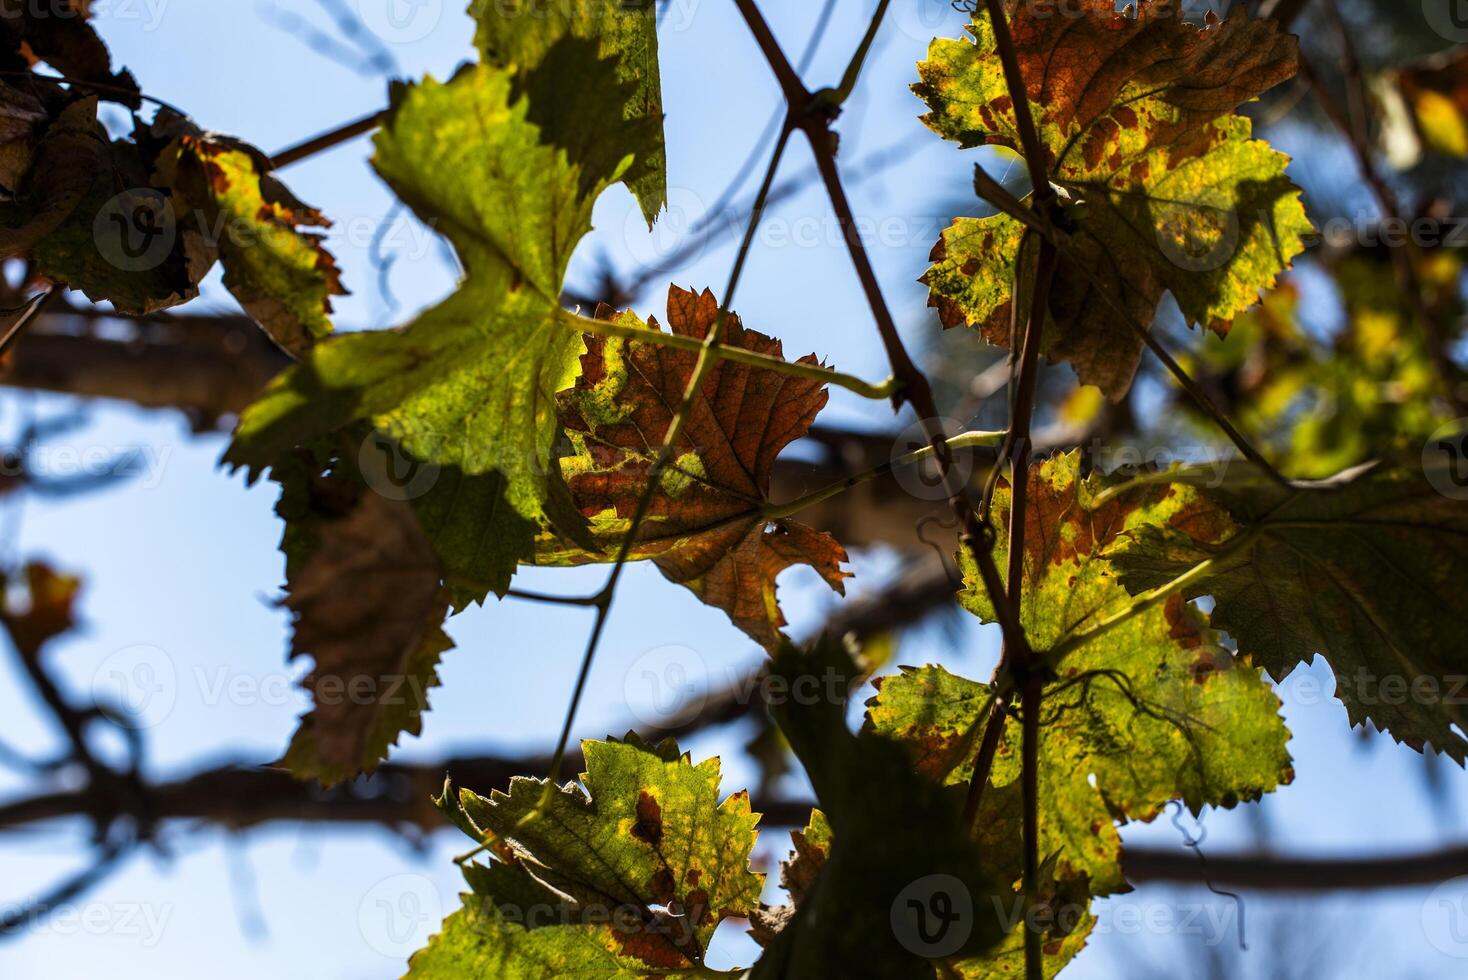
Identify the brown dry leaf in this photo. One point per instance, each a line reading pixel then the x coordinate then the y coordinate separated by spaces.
pixel 58 33
pixel 369 609
pixel 706 529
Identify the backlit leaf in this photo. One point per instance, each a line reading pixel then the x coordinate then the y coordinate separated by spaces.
pixel 236 210
pixel 1161 183
pixel 706 529
pixel 364 591
pixel 522 34
pixel 627 874
pixel 1153 710
pixel 900 887
pixel 1366 571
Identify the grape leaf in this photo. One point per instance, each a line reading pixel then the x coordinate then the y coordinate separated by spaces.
pixel 363 588
pixel 23 118
pixel 625 878
pixel 895 849
pixel 471 383
pixel 706 529
pixel 87 215
pixel 138 223
pixel 1155 709
pixel 226 198
pixel 1366 571
pixel 798 875
pixel 1161 183
pixel 522 33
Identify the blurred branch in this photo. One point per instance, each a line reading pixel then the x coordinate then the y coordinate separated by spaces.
pixel 1284 11
pixel 399 797
pixel 103 864
pixel 209 366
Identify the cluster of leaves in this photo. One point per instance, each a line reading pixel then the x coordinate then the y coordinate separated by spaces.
pixel 541 433
pixel 138 222
pixel 1163 189
pixel 534 435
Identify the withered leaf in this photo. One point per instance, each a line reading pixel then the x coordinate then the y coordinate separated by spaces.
pixel 706 528
pixel 369 609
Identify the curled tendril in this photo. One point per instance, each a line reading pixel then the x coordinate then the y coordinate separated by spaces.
pixel 1196 845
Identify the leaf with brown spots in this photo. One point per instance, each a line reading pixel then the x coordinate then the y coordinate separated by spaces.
pixel 230 206
pixel 1366 570
pixel 1153 710
pixel 1162 187
pixel 707 528
pixel 85 212
pixel 627 874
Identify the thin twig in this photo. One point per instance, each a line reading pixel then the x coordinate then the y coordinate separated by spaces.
pixel 327 140
pixel 702 369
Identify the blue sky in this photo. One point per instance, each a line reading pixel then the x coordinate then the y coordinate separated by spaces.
pixel 181 565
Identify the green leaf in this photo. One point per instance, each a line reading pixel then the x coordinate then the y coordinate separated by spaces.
pixel 471 384
pixel 625 878
pixel 894 848
pixel 1162 187
pixel 1365 570
pixel 523 34
pixel 1152 710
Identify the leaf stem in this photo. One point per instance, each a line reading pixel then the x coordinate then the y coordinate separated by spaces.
pixel 1024 661
pixel 965 440
pixel 559 600
pixel 977 536
pixel 701 371
pixel 1155 597
pixel 327 140
pixel 832 98
pixel 813 372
